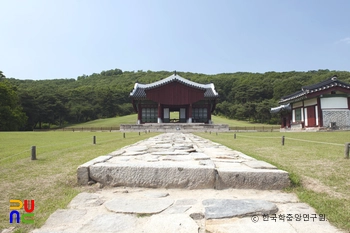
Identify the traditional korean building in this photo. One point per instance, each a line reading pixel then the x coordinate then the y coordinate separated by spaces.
pixel 193 101
pixel 324 104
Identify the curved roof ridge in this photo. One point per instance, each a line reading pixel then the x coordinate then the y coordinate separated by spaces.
pixel 323 85
pixel 136 86
pixel 171 78
pixel 324 82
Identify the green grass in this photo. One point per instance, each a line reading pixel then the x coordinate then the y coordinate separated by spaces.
pixel 319 172
pixel 109 122
pixel 51 179
pixel 132 119
pixel 232 122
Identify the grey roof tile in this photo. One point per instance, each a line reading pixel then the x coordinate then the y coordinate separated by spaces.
pixel 326 84
pixel 139 89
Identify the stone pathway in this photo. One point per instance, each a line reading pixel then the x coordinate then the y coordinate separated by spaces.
pixel 184 183
pixel 123 209
pixel 177 160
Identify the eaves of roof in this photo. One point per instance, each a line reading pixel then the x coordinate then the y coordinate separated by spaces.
pixel 139 89
pixel 281 108
pixel 324 85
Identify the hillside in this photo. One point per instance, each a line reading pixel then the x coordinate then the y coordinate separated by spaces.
pixel 243 96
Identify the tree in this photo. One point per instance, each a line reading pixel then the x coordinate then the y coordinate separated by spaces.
pixel 2 76
pixel 243 95
pixel 11 115
pixel 31 108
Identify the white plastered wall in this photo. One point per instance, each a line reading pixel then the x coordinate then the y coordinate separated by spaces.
pixel 334 102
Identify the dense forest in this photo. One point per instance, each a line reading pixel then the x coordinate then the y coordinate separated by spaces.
pixel 29 104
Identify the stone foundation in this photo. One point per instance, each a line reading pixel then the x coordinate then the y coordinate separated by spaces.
pixel 175 127
pixel 182 161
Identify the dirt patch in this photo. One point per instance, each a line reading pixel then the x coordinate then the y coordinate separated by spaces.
pixel 317 186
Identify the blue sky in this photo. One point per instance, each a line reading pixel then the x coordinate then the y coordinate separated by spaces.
pixel 47 39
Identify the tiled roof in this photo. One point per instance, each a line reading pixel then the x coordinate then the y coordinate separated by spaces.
pixel 326 84
pixel 139 89
pixel 278 109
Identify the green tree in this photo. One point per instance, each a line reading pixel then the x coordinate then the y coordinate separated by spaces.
pixel 2 76
pixel 11 115
pixel 31 108
pixel 243 95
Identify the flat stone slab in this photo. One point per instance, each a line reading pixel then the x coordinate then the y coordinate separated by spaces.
pixel 184 211
pixel 178 160
pixel 65 216
pixel 263 179
pixel 83 170
pixel 137 148
pixel 244 225
pixel 155 175
pixel 176 210
pixel 134 153
pixel 138 206
pixel 86 199
pixel 163 153
pixel 161 145
pixel 186 202
pixel 156 194
pixel 227 160
pixel 259 165
pixel 117 152
pixel 208 163
pixel 110 223
pixel 199 156
pixel 228 208
pixel 171 223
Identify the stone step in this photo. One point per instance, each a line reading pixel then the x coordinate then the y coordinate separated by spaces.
pixel 183 161
pixel 175 127
pixel 188 175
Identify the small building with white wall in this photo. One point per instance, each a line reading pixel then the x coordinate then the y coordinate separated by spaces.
pixel 324 104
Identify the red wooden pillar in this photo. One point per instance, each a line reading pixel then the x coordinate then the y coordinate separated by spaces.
pixel 320 117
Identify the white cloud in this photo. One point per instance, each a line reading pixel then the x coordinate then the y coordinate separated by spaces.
pixel 345 40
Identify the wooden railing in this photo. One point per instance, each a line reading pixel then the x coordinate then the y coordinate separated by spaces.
pixel 255 128
pixel 117 128
pixel 82 129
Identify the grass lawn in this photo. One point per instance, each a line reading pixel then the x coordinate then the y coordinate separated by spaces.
pixel 51 179
pixel 233 123
pixel 109 122
pixel 132 119
pixel 315 162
